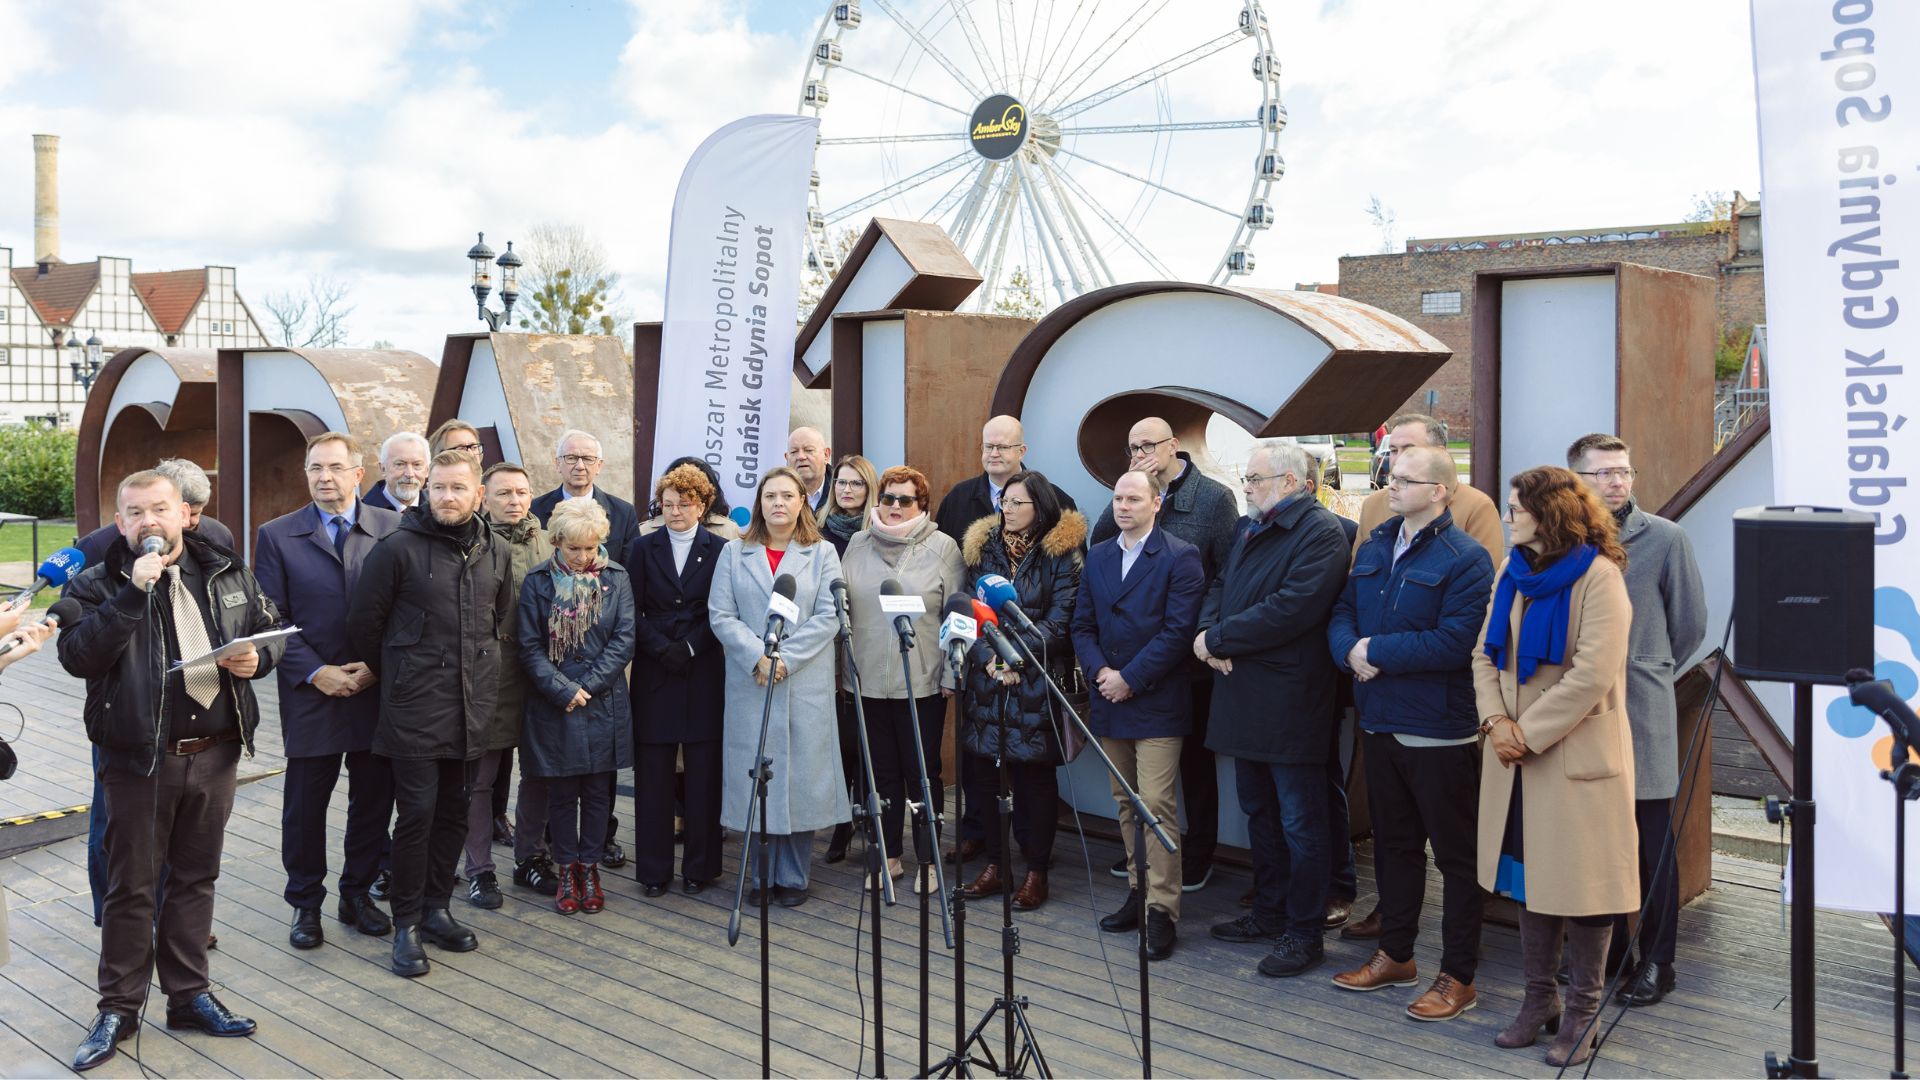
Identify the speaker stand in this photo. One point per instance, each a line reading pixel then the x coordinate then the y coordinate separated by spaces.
pixel 1800 1058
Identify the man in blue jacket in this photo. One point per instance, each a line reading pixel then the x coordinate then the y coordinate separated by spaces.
pixel 1405 626
pixel 1139 606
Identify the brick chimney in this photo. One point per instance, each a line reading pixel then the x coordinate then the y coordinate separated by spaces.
pixel 46 198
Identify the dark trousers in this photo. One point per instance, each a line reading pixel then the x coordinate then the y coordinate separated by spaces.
pixel 896 764
pixel 1036 810
pixel 1199 786
pixel 503 783
pixel 850 766
pixel 481 796
pixel 653 790
pixel 97 841
pixel 303 823
pixel 1344 882
pixel 429 829
pixel 176 818
pixel 530 819
pixel 1662 922
pixel 1420 795
pixel 577 811
pixel 1286 808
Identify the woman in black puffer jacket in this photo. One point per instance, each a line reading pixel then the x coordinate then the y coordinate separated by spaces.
pixel 1037 545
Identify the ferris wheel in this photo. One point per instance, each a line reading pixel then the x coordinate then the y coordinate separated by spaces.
pixel 1065 145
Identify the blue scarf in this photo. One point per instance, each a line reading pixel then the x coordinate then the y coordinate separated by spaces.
pixel 1543 628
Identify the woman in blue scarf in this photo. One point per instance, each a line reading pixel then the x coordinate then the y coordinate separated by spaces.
pixel 1557 829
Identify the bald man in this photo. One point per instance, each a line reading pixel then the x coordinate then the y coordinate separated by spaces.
pixel 809 455
pixel 1473 513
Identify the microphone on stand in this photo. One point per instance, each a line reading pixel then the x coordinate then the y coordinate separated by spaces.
pixel 990 629
pixel 1001 596
pixel 840 603
pixel 1879 697
pixel 903 606
pixel 958 631
pixel 782 612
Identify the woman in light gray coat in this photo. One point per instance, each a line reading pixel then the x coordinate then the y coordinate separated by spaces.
pixel 808 790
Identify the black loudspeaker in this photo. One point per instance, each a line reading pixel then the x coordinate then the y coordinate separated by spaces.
pixel 1802 593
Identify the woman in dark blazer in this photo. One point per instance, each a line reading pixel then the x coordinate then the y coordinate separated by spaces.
pixel 679 687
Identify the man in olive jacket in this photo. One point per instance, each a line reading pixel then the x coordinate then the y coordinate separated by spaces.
pixel 1263 629
pixel 430 612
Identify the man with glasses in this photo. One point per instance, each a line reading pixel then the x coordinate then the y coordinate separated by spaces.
pixel 1200 510
pixel 308 563
pixel 1003 450
pixel 1404 627
pixel 458 436
pixel 1473 512
pixel 809 455
pixel 1263 631
pixel 403 471
pixel 1669 623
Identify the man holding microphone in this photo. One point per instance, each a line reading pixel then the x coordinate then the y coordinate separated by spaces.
pixel 170 742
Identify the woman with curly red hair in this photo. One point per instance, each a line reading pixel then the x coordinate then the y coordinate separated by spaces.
pixel 1557 829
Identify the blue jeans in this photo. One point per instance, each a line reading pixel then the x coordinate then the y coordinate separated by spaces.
pixel 792 858
pixel 1286 808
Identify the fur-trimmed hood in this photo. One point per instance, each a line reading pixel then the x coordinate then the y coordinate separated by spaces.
pixel 1066 535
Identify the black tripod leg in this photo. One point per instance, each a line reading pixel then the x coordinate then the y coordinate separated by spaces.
pixel 1146 999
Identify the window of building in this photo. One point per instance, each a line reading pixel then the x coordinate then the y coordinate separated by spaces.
pixel 5 358
pixel 226 328
pixel 1440 303
pixel 3 314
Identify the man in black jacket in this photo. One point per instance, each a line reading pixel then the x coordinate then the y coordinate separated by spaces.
pixel 1264 632
pixel 169 744
pixel 1200 510
pixel 428 615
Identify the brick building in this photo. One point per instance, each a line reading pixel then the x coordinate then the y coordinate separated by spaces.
pixel 1431 282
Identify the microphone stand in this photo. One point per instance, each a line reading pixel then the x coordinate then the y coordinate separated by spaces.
pixel 867 815
pixel 1143 820
pixel 762 774
pixel 1904 775
pixel 925 817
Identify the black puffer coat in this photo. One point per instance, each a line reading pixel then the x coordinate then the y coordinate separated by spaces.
pixel 1048 580
pixel 430 614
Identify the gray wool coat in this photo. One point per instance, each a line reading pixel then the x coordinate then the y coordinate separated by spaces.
pixel 809 789
pixel 1669 622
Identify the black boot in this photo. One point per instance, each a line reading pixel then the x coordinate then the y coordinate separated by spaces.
pixel 409 958
pixel 437 927
pixel 837 845
pixel 306 933
pixel 1654 982
pixel 1160 934
pixel 1127 918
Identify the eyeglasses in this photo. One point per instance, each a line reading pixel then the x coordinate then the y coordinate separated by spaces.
pixel 890 499
pixel 1514 512
pixel 1004 503
pixel 1001 447
pixel 1251 478
pixel 849 485
pixel 1134 450
pixel 1403 481
pixel 464 448
pixel 575 459
pixel 1611 474
pixel 330 470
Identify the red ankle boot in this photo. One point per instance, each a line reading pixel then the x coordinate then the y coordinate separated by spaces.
pixel 591 898
pixel 567 894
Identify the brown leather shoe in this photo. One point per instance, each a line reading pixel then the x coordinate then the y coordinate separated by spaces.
pixel 1366 929
pixel 1444 1000
pixel 1033 891
pixel 1246 898
pixel 989 883
pixel 1379 972
pixel 1338 912
pixel 968 851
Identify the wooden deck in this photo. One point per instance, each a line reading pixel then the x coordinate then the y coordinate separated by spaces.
pixel 650 988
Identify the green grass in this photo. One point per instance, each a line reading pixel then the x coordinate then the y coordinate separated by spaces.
pixel 16 539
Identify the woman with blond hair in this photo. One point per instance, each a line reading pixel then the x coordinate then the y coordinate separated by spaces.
pixel 1557 831
pixel 808 791
pixel 856 487
pixel 576 638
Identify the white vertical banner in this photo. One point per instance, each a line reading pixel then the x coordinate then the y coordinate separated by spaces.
pixel 1839 102
pixel 733 288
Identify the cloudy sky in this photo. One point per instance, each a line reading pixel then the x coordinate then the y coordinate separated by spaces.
pixel 370 139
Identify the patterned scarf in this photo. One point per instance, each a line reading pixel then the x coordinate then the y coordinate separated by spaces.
pixel 1017 545
pixel 576 604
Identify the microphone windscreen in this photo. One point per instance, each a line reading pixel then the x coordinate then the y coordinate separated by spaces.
pixel 958 604
pixel 784 585
pixel 891 587
pixel 984 614
pixel 65 611
pixel 153 545
pixel 997 591
pixel 59 567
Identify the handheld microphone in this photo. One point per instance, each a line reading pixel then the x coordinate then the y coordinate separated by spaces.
pixel 59 569
pixel 958 630
pixel 903 606
pixel 1880 697
pixel 782 612
pixel 990 629
pixel 152 545
pixel 63 610
pixel 1001 596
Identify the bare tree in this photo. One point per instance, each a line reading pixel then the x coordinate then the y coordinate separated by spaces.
pixel 1384 223
pixel 568 286
pixel 312 318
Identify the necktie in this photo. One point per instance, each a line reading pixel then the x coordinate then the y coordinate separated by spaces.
pixel 203 680
pixel 340 528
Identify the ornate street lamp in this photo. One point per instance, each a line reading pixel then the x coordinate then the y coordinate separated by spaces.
pixel 85 366
pixel 509 265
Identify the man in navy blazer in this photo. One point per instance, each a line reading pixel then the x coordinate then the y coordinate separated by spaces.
pixel 308 562
pixel 577 456
pixel 1139 607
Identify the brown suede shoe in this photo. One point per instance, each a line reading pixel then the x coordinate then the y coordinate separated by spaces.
pixel 1033 891
pixel 1338 911
pixel 1444 1000
pixel 1379 972
pixel 1365 930
pixel 989 883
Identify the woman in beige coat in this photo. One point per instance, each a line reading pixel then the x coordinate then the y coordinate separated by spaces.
pixel 902 543
pixel 1557 829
